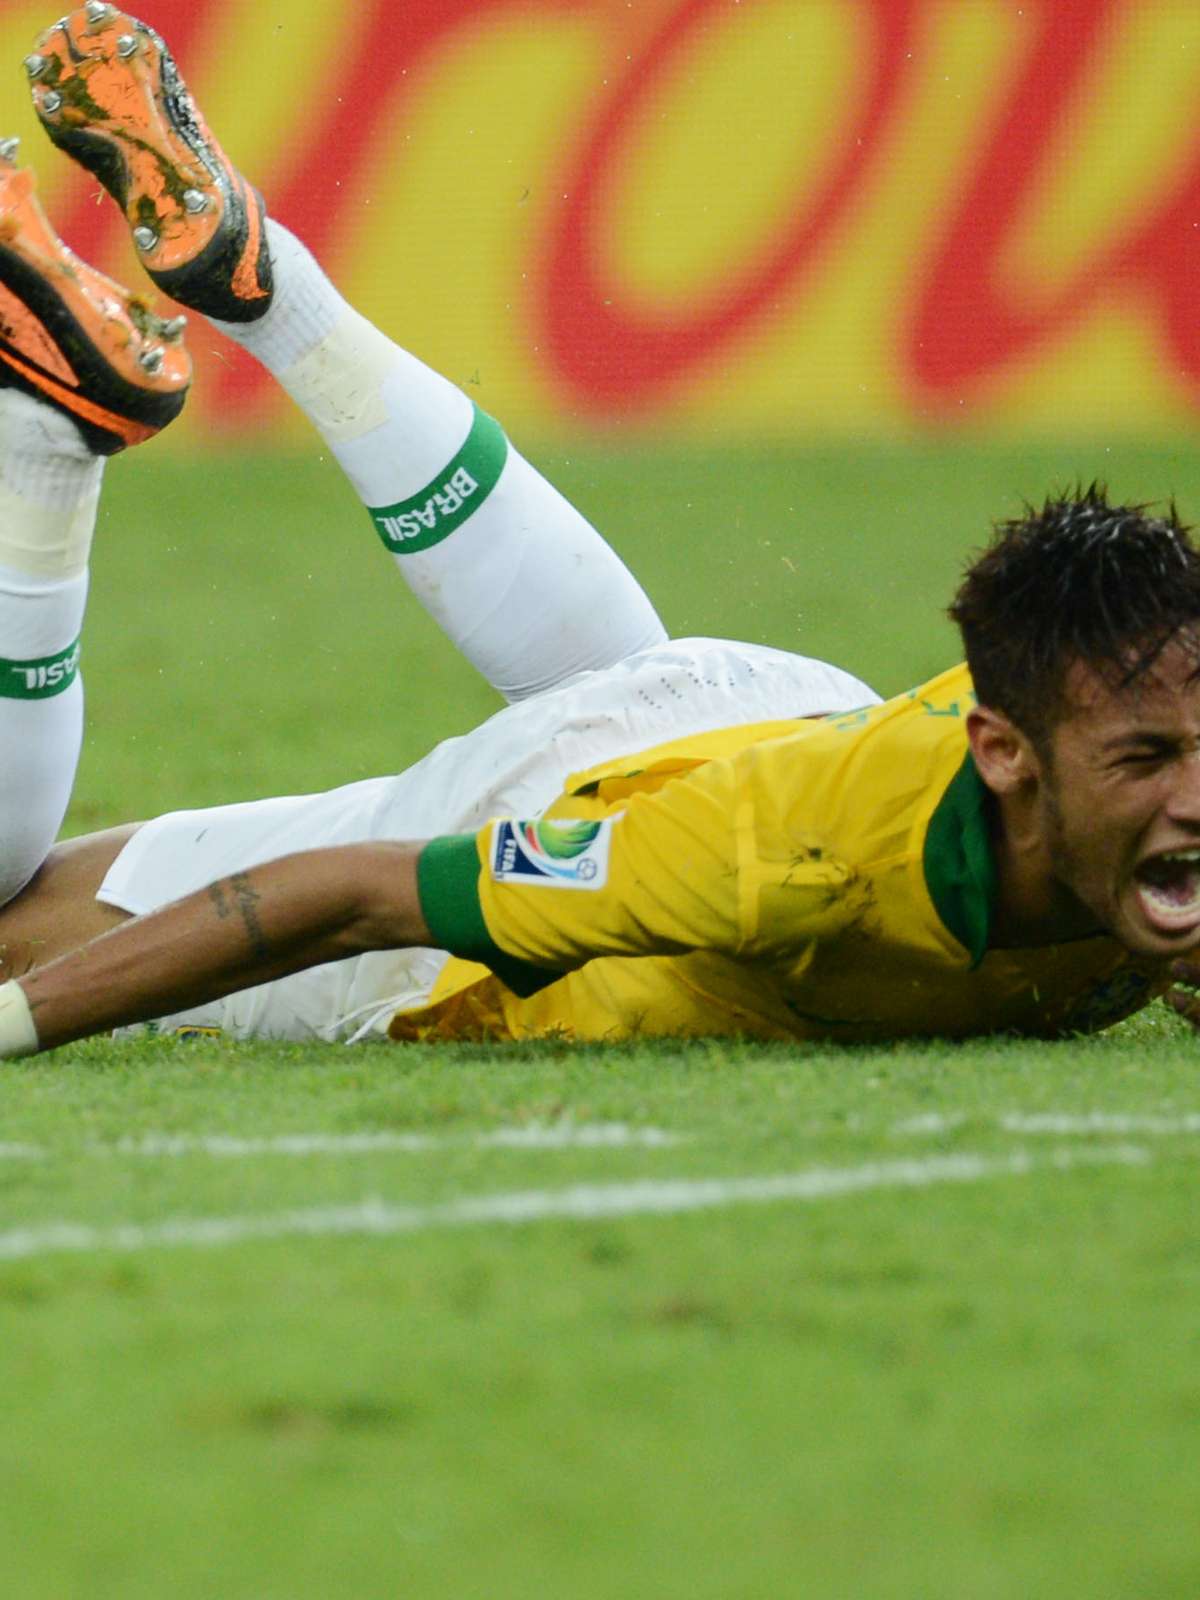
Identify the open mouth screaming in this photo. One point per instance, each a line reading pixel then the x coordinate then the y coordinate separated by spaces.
pixel 1168 889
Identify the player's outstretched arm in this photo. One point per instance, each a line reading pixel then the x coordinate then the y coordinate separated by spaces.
pixel 297 912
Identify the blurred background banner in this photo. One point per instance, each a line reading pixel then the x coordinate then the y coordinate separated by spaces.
pixel 772 218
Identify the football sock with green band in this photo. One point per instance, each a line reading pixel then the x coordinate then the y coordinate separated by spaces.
pixel 41 728
pixel 41 679
pixel 439 509
pixel 521 583
pixel 49 486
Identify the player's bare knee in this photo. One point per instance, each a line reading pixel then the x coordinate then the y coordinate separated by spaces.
pixel 57 909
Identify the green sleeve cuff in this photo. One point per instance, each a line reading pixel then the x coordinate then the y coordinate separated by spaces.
pixel 448 888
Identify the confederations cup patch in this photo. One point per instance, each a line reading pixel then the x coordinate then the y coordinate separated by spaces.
pixel 560 855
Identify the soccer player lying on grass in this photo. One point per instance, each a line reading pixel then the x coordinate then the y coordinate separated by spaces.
pixel 730 839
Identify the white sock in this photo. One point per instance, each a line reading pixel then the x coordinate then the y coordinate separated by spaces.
pixel 522 583
pixel 49 488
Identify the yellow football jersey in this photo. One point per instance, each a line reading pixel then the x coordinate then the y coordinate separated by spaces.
pixel 823 879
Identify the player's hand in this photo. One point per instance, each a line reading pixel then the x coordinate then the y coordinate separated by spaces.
pixel 1184 994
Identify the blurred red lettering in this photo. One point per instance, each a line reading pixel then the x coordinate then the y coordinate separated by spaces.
pixel 967 327
pixel 609 356
pixel 962 324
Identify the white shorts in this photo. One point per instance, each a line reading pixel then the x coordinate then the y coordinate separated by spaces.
pixel 514 764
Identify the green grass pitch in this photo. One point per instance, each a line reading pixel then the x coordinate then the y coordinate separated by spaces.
pixel 716 1322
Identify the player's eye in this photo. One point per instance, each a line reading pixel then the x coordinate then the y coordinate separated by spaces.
pixel 1146 756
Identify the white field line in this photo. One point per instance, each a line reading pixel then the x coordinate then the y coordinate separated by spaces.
pixel 579 1136
pixel 930 1122
pixel 21 1152
pixel 1068 1123
pixel 535 1136
pixel 575 1136
pixel 581 1202
pixel 170 1145
pixel 1062 1124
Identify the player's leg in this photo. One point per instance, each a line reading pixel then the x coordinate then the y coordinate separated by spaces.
pixel 58 910
pixel 516 577
pixel 84 371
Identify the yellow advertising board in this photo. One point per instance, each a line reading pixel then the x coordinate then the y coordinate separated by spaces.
pixel 772 217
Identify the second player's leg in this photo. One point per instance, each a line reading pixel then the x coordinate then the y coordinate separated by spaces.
pixel 48 486
pixel 82 374
pixel 522 584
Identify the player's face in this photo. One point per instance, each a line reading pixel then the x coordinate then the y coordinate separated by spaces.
pixel 1122 804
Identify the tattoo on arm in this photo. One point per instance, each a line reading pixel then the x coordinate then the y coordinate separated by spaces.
pixel 247 898
pixel 217 895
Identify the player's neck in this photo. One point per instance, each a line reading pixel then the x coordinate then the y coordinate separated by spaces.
pixel 1032 906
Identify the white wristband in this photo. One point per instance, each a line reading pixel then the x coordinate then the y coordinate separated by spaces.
pixel 18 1036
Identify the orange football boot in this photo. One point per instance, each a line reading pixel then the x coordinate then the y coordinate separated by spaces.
pixel 74 338
pixel 107 91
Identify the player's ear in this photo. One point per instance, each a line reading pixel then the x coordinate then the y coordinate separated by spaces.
pixel 1004 756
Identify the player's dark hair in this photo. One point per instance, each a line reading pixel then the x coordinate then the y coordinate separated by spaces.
pixel 1079 580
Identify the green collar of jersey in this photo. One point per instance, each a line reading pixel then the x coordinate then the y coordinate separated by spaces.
pixel 959 871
